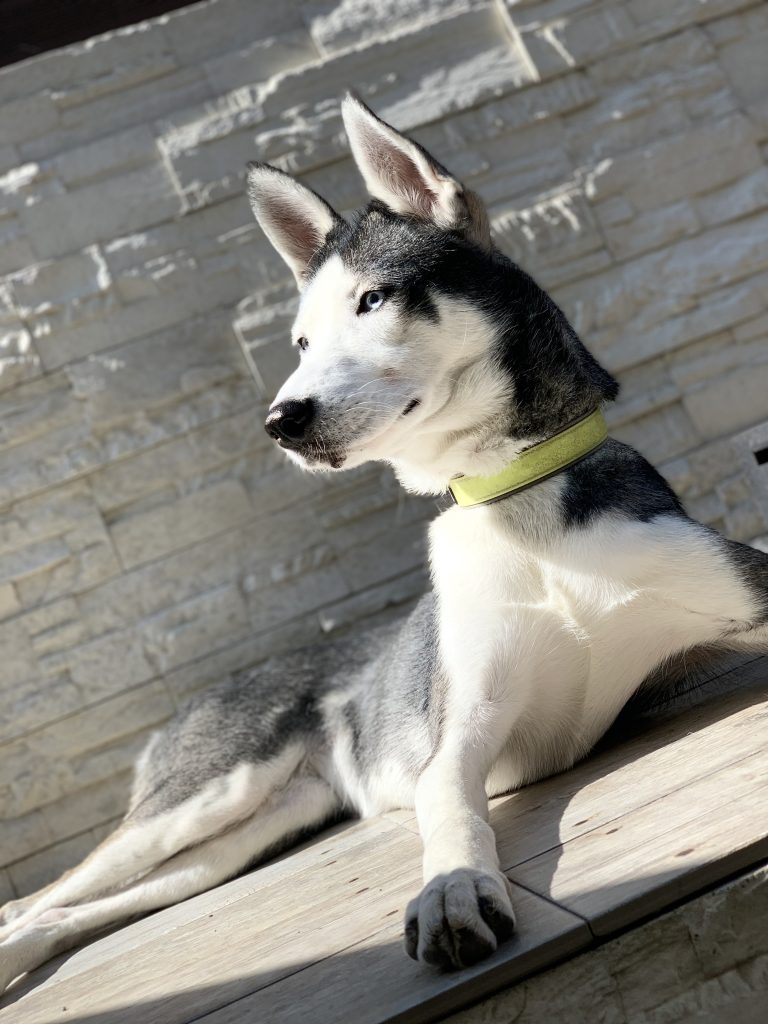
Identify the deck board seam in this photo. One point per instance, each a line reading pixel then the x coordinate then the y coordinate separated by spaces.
pixel 679 901
pixel 553 902
pixel 618 817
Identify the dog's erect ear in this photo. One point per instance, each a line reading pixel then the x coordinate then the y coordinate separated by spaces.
pixel 406 178
pixel 294 219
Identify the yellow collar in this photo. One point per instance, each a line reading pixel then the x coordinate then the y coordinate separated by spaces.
pixel 535 464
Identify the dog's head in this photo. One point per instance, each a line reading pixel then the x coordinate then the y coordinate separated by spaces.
pixel 412 328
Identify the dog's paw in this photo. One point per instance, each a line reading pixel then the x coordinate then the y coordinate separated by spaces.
pixel 11 910
pixel 459 919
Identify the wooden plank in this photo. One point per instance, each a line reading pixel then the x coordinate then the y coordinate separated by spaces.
pixel 276 929
pixel 676 752
pixel 373 981
pixel 667 850
pixel 620 836
pixel 314 855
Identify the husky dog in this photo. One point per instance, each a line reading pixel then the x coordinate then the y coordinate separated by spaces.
pixel 423 346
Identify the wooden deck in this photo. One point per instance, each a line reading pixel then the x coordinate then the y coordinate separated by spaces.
pixel 648 820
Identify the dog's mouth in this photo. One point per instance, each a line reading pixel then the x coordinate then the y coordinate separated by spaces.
pixel 323 452
pixel 333 459
pixel 318 455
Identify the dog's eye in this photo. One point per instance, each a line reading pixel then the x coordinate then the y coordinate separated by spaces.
pixel 302 343
pixel 370 301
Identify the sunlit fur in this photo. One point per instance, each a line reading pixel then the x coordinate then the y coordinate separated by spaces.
pixel 363 371
pixel 549 608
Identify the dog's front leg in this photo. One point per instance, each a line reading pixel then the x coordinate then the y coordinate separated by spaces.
pixel 464 909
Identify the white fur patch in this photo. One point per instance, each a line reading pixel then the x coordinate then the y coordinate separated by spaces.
pixel 362 372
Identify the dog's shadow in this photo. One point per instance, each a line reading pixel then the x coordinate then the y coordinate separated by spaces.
pixel 355 985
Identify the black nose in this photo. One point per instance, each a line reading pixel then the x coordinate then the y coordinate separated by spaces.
pixel 289 422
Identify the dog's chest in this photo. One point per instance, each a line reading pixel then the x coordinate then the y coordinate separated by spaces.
pixel 476 564
pixel 521 611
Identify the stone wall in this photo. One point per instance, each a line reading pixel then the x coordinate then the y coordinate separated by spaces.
pixel 151 541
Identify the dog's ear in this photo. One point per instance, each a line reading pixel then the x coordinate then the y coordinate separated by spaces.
pixel 294 219
pixel 407 179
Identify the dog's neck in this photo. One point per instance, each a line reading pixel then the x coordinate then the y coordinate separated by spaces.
pixel 492 412
pixel 529 518
pixel 480 451
pixel 453 442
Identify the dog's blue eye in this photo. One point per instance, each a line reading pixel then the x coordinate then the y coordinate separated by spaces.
pixel 370 301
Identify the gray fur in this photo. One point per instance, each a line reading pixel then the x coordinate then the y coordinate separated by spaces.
pixel 385 677
pixel 360 724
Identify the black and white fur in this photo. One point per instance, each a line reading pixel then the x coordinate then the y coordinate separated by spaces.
pixel 424 347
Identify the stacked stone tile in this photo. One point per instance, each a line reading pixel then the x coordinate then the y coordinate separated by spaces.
pixel 151 541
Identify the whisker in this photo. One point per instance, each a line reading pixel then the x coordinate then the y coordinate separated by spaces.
pixel 376 380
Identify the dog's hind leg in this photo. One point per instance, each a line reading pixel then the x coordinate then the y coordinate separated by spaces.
pixel 53 926
pixel 152 832
pixel 107 853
